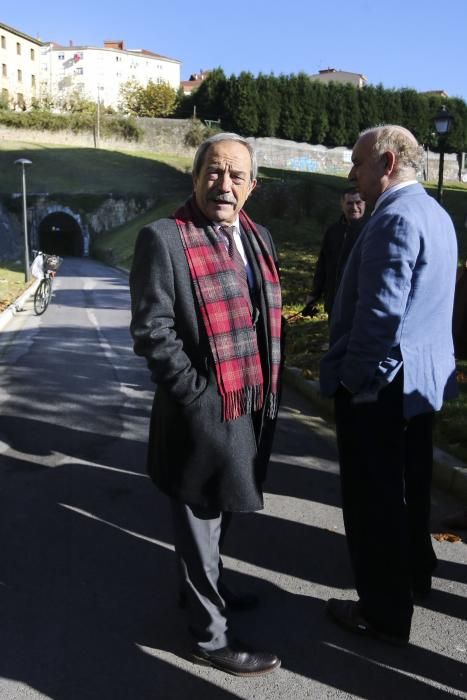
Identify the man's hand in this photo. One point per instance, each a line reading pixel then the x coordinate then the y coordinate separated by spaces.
pixel 310 309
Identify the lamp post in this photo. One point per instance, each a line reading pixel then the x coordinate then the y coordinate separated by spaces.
pixel 443 123
pixel 98 115
pixel 24 162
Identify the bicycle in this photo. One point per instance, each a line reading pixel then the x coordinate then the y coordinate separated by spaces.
pixel 45 266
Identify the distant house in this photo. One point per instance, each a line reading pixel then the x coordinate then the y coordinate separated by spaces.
pixel 435 93
pixel 20 61
pixel 194 82
pixel 99 72
pixel 332 75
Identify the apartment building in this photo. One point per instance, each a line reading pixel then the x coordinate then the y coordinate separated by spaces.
pixel 97 73
pixel 20 60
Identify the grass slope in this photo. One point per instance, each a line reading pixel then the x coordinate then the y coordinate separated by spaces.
pixel 58 169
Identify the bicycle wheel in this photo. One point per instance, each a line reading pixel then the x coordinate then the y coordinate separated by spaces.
pixel 42 296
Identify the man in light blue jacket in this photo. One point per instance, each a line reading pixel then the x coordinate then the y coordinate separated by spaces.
pixel 390 366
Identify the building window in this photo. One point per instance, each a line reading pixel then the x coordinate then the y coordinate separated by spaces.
pixel 4 70
pixel 5 96
pixel 33 81
pixel 3 42
pixel 20 76
pixel 33 55
pixel 78 71
pixel 61 56
pixel 18 48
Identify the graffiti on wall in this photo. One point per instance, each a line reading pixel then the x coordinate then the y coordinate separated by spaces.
pixel 303 163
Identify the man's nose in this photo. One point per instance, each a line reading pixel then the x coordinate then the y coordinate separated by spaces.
pixel 225 181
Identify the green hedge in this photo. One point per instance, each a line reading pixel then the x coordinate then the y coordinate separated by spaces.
pixel 42 120
pixel 297 108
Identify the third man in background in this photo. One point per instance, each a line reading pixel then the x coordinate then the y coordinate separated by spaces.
pixel 337 243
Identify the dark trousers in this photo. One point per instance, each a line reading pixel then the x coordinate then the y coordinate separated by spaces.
pixel 198 537
pixel 386 467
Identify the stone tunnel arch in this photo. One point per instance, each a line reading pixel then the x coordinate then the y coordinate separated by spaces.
pixel 60 233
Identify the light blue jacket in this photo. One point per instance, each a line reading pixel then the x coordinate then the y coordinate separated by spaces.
pixel 394 305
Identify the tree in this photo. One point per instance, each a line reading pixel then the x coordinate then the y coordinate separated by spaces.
pixel 291 113
pixel 154 100
pixel 370 114
pixel 269 105
pixel 320 125
pixel 241 104
pixel 209 98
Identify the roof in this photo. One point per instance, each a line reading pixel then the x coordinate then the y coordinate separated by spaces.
pixel 194 82
pixel 38 42
pixel 137 52
pixel 323 71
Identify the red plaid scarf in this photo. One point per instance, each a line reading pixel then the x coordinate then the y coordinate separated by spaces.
pixel 225 313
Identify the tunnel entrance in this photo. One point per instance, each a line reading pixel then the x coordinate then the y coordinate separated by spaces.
pixel 61 234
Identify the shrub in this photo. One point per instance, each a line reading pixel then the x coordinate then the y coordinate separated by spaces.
pixel 198 132
pixel 43 120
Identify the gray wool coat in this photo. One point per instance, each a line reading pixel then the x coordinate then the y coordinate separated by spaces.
pixel 193 455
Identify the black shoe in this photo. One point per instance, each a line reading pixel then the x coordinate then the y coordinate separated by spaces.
pixel 233 601
pixel 347 614
pixel 235 660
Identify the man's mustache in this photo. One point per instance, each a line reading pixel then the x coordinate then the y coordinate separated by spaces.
pixel 227 198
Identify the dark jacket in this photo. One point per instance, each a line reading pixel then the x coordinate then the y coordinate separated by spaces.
pixel 192 455
pixel 459 318
pixel 337 243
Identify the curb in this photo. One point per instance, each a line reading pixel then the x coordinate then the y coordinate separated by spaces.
pixel 17 305
pixel 449 473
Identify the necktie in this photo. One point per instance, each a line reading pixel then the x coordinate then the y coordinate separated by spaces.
pixel 239 264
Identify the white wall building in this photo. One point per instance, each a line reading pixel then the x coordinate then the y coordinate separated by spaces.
pixel 20 63
pixel 331 75
pixel 100 72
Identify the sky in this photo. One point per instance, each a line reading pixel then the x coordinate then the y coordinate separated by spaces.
pixel 420 44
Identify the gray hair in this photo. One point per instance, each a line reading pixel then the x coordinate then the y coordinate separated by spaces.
pixel 391 137
pixel 224 136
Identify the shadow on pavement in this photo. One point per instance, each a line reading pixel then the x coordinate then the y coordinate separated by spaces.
pixel 87 574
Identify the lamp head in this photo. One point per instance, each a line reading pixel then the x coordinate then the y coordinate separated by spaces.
pixel 23 161
pixel 443 121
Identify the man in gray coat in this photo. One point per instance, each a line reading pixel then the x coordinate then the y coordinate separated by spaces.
pixel 206 315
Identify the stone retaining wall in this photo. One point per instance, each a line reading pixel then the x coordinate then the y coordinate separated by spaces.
pixel 168 136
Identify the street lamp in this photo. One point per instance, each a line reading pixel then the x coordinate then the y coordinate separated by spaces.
pixel 443 122
pixel 24 162
pixel 98 115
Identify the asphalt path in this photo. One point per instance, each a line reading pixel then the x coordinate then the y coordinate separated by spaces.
pixel 87 577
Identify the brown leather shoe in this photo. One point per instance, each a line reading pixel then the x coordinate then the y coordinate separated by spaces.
pixel 237 661
pixel 347 614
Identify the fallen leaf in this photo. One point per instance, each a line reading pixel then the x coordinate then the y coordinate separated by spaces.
pixel 446 537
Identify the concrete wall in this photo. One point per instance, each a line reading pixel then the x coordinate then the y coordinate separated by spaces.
pixel 168 136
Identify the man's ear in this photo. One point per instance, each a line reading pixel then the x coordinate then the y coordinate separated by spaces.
pixel 252 186
pixel 389 162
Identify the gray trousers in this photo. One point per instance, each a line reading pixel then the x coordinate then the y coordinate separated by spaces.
pixel 198 535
